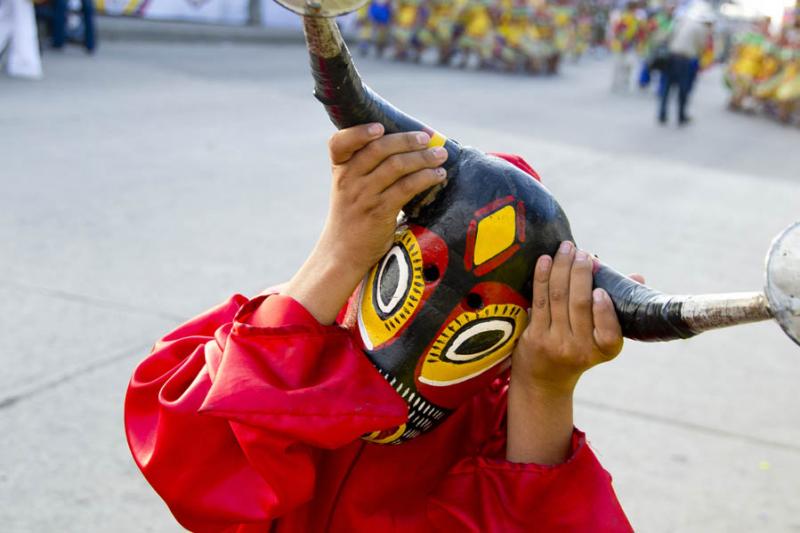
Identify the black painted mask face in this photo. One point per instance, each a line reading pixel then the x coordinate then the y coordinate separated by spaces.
pixel 441 312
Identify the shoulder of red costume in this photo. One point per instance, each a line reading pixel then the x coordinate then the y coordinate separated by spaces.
pixel 518 162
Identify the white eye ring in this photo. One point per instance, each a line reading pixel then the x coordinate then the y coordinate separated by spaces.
pixel 504 327
pixel 387 308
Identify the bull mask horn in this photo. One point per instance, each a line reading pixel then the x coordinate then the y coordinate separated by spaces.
pixel 645 314
pixel 338 85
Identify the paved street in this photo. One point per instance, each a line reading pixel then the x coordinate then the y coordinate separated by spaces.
pixel 150 182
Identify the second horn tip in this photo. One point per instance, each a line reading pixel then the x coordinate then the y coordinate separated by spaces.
pixel 782 284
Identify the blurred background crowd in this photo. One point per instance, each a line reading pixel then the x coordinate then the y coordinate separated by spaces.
pixel 658 43
pixel 532 36
pixel 648 40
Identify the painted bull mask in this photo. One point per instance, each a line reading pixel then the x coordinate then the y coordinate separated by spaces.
pixel 441 312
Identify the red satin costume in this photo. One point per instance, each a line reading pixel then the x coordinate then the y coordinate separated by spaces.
pixel 249 418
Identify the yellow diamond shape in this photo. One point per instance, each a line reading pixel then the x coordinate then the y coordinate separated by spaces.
pixel 495 234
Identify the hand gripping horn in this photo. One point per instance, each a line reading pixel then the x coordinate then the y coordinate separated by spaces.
pixel 645 314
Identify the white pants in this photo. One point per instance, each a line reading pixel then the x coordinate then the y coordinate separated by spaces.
pixel 624 68
pixel 18 31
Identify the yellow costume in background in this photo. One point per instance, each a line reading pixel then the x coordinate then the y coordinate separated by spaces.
pixel 765 75
pixel 437 31
pixel 511 31
pixel 478 36
pixel 538 43
pixel 404 21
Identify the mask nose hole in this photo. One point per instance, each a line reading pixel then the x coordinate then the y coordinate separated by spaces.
pixel 474 301
pixel 430 273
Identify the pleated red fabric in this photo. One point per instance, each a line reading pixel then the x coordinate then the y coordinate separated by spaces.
pixel 249 417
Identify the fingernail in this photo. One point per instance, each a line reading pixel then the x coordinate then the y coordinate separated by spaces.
pixel 565 248
pixel 441 173
pixel 545 262
pixel 439 152
pixel 375 129
pixel 599 296
pixel 423 139
pixel 581 256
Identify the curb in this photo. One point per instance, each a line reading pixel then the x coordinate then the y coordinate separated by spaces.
pixel 141 30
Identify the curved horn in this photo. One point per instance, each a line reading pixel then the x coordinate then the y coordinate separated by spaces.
pixel 338 85
pixel 648 315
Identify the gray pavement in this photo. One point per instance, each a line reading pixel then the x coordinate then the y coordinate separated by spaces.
pixel 149 182
pixel 135 29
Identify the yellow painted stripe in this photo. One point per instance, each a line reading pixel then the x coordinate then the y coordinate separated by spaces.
pixel 437 139
pixel 131 7
pixel 100 5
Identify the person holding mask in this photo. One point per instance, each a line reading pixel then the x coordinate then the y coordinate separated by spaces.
pixel 266 414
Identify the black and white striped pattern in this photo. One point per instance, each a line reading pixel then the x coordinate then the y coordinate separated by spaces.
pixel 422 415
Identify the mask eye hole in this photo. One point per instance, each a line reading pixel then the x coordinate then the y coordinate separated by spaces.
pixel 478 340
pixel 392 282
pixel 474 301
pixel 430 273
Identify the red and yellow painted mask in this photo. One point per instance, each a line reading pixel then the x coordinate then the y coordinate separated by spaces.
pixel 440 314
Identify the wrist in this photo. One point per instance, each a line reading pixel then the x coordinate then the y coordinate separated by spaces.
pixel 540 422
pixel 345 264
pixel 349 258
pixel 323 286
pixel 551 385
pixel 538 390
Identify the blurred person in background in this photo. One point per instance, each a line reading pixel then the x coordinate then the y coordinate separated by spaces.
pixel 625 28
pixel 788 94
pixel 19 41
pixel 68 21
pixel 373 22
pixel 437 29
pixel 600 22
pixel 763 73
pixel 564 23
pixel 746 61
pixel 539 43
pixel 688 44
pixel 476 32
pixel 655 45
pixel 510 35
pixel 84 30
pixel 406 15
pixel 583 30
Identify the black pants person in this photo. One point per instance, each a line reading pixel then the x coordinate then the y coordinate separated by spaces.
pixel 55 12
pixel 679 71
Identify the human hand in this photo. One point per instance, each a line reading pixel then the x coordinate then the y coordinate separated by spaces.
pixel 572 328
pixel 374 176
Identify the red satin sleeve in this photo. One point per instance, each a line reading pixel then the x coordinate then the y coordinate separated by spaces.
pixel 226 414
pixel 488 493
